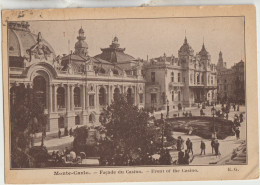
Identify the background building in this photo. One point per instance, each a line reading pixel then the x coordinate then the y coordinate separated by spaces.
pixel 231 82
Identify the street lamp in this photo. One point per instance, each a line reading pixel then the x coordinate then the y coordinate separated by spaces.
pixel 213 111
pixel 163 125
pixel 168 108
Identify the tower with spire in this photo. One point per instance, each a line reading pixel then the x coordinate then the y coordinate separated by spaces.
pixel 221 64
pixel 81 47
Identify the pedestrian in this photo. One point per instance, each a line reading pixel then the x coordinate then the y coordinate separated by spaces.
pixel 237 131
pixel 186 157
pixel 179 143
pixel 241 117
pixel 189 147
pixel 202 147
pixel 237 107
pixel 161 115
pixel 216 146
pixel 71 132
pixel 181 157
pixel 226 115
pixel 212 145
pixel 59 133
pixel 201 112
pixel 187 143
pixel 66 132
pixel 234 107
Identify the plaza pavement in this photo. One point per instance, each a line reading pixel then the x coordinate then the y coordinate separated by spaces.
pixel 226 146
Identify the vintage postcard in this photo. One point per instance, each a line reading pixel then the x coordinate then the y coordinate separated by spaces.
pixel 130 94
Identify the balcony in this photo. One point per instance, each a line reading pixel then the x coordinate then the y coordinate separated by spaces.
pixel 152 83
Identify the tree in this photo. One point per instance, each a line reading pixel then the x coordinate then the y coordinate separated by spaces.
pixel 128 136
pixel 27 118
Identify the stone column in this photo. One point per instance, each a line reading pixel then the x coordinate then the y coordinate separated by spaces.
pixel 72 98
pixel 50 98
pixel 109 95
pixel 68 98
pixel 97 97
pixel 83 95
pixel 55 98
pixel 86 99
pixel 135 93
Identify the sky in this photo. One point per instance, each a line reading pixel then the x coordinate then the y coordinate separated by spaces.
pixel 152 37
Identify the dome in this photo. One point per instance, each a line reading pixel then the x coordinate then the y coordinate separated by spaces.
pixel 81 30
pixel 81 44
pixel 186 48
pixel 203 51
pixel 21 39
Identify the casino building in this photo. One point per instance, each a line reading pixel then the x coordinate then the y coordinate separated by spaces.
pixel 180 82
pixel 73 88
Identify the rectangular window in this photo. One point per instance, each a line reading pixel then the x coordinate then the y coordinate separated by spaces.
pixel 141 98
pixel 92 100
pixel 172 76
pixel 172 95
pixel 153 77
pixel 153 98
pixel 179 77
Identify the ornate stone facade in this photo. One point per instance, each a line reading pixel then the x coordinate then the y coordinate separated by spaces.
pixel 74 88
pixel 180 82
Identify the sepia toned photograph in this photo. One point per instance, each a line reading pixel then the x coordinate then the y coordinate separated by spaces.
pixel 127 92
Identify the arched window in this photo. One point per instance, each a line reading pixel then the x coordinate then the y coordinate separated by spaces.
pixel 77 97
pixel 116 93
pixel 179 96
pixel 129 95
pixel 102 70
pixel 172 76
pixel 115 72
pixel 102 96
pixel 39 89
pixel 60 97
pixel 12 95
pixel 91 118
pixel 61 122
pixel 198 78
pixel 179 77
pixel 77 120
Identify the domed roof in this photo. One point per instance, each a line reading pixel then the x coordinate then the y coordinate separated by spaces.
pixel 203 51
pixel 186 48
pixel 81 44
pixel 20 39
pixel 81 30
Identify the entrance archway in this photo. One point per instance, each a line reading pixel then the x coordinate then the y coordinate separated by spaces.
pixel 129 95
pixel 39 90
pixel 116 93
pixel 102 96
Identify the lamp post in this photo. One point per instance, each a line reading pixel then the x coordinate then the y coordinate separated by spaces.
pixel 168 109
pixel 163 125
pixel 213 111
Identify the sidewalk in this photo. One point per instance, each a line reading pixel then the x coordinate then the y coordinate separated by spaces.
pixel 57 143
pixel 226 146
